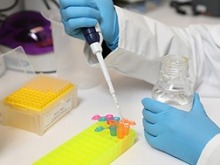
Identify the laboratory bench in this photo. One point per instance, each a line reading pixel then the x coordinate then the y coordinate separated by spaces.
pixel 23 148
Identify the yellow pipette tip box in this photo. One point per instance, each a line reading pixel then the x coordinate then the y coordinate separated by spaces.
pixel 39 103
pixel 89 148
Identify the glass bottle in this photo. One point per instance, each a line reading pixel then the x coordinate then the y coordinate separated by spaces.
pixel 174 86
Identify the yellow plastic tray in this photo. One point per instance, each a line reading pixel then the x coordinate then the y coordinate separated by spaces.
pixel 89 148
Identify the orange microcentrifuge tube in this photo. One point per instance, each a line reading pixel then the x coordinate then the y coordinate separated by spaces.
pixel 120 131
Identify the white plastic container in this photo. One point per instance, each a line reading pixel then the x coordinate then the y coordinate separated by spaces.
pixel 8 3
pixel 39 5
pixel 71 61
pixel 2 66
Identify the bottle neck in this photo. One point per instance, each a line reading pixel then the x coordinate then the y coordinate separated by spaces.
pixel 174 66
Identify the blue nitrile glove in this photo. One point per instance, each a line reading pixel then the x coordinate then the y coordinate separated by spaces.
pixel 177 132
pixel 87 13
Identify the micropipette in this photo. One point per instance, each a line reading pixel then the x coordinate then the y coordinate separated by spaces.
pixel 92 38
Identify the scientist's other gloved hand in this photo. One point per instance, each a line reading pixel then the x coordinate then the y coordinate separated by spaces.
pixel 87 13
pixel 179 133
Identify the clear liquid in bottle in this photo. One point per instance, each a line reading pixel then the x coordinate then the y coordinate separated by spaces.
pixel 174 86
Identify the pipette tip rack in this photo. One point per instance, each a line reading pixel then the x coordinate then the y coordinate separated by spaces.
pixel 39 103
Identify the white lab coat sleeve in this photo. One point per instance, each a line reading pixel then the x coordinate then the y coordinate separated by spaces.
pixel 143 41
pixel 139 49
pixel 211 152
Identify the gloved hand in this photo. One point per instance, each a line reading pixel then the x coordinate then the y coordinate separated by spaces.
pixel 179 133
pixel 87 13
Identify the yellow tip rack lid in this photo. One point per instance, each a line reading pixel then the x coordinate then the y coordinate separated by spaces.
pixel 38 93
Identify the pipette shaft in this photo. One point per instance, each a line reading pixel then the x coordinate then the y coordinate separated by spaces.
pixel 92 37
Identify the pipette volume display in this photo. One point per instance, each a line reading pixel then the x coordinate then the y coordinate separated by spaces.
pixel 92 38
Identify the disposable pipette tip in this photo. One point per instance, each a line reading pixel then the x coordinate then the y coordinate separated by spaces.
pixel 117 104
